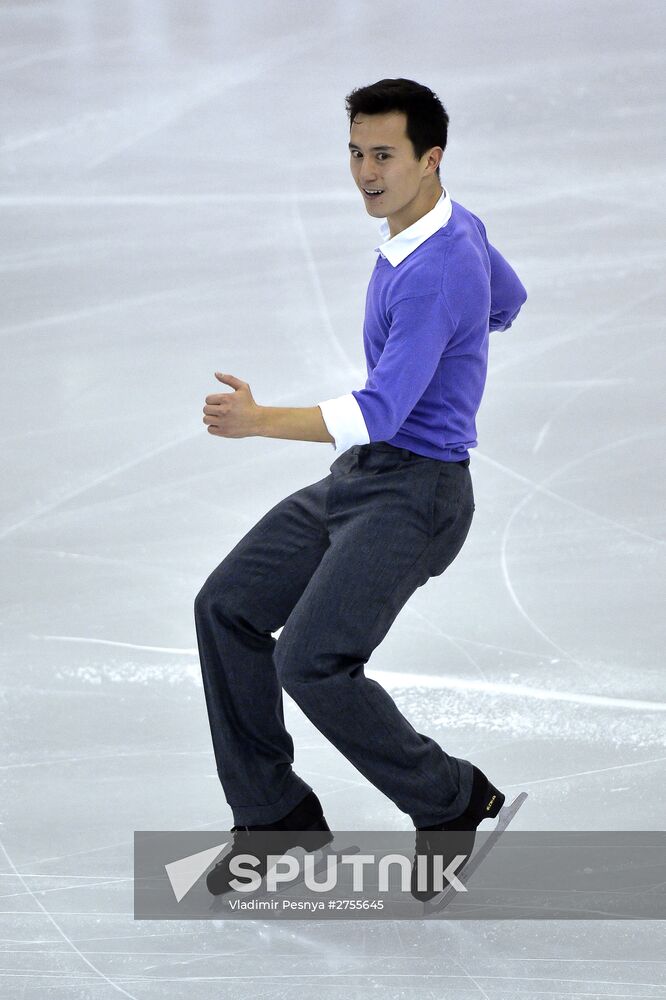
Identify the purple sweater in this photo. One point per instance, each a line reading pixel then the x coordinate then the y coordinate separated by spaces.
pixel 425 336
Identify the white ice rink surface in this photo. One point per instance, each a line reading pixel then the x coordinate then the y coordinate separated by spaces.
pixel 176 199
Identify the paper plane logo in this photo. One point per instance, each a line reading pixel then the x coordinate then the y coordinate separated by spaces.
pixel 186 871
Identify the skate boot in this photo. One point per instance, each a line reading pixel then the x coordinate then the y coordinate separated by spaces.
pixel 485 801
pixel 305 826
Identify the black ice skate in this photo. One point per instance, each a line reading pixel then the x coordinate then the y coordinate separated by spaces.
pixel 305 826
pixel 485 802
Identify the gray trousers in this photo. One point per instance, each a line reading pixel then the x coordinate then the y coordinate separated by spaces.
pixel 332 565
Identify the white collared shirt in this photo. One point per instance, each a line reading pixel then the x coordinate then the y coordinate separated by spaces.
pixel 342 415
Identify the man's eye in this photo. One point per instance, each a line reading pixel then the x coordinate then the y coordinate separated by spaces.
pixel 355 151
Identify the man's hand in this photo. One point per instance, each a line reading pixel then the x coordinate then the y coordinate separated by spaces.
pixel 236 415
pixel 232 414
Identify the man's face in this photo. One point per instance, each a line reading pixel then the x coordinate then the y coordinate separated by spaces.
pixel 403 179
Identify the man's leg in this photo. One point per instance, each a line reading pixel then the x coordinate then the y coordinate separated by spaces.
pixel 251 594
pixel 394 521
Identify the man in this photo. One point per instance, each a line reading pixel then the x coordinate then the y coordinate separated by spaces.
pixel 334 563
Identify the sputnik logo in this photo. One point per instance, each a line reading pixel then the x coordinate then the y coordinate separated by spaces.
pixel 186 871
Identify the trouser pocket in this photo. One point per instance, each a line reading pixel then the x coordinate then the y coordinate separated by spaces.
pixel 451 516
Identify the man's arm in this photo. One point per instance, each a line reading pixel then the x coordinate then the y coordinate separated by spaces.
pixel 507 291
pixel 345 421
pixel 421 327
pixel 297 423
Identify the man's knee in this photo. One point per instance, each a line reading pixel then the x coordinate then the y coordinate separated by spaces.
pixel 296 663
pixel 214 596
pixel 202 601
pixel 225 604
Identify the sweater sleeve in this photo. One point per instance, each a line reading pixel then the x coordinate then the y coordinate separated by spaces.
pixel 507 293
pixel 420 328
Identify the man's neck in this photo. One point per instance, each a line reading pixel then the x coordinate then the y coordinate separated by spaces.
pixel 398 225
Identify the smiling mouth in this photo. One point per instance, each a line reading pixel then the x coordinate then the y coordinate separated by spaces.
pixel 368 195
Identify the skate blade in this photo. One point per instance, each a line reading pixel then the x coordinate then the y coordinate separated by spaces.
pixel 319 867
pixel 504 817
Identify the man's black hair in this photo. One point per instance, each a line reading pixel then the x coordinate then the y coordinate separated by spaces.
pixel 427 119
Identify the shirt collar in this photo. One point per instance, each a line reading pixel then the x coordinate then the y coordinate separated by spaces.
pixel 402 244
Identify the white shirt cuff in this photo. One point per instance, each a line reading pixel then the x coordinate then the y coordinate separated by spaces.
pixel 344 421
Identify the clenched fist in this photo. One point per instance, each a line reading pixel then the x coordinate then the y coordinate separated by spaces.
pixel 232 414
